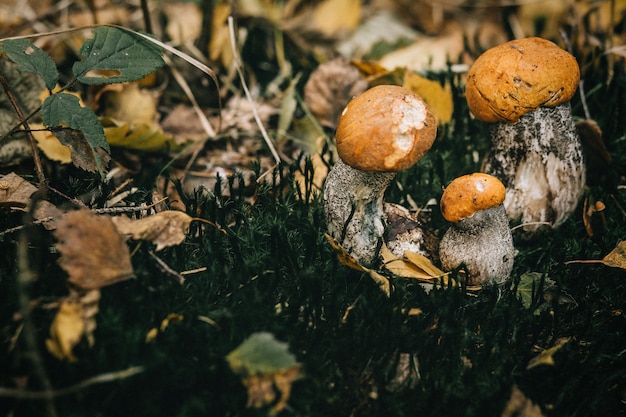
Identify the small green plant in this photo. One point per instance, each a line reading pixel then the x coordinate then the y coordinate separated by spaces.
pixel 112 55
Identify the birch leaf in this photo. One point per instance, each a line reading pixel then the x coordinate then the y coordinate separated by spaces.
pixel 167 228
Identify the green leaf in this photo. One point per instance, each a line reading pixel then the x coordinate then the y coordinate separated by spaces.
pixel 115 56
pixel 64 110
pixel 261 353
pixel 30 58
pixel 529 282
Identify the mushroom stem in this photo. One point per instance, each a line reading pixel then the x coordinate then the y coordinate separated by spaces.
pixel 483 244
pixel 540 162
pixel 353 205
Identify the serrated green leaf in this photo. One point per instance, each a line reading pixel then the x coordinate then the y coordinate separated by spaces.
pixel 261 353
pixel 125 56
pixel 30 58
pixel 64 110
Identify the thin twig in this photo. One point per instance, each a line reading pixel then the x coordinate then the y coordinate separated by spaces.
pixel 166 268
pixel 33 144
pixel 26 276
pixel 98 379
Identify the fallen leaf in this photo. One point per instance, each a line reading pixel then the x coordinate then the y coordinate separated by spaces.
pixel 546 357
pixel 438 97
pixel 166 228
pixel 520 406
pixel 614 259
pixel 414 266
pixel 66 331
pixel 147 137
pixel 93 253
pixel 74 320
pixel 348 260
pixel 15 191
pixel 50 145
pixel 184 23
pixel 332 17
pixel 330 87
pixel 529 282
pixel 265 366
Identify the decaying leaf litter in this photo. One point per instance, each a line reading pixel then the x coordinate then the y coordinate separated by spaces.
pixel 168 149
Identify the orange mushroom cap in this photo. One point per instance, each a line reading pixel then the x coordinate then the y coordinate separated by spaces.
pixel 385 129
pixel 469 194
pixel 516 77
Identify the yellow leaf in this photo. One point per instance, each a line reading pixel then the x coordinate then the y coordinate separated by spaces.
pixel 438 98
pixel 167 228
pixel 415 266
pixel 50 145
pixel 617 257
pixel 424 264
pixel 66 330
pixel 335 16
pixel 546 357
pixel 344 257
pixel 349 261
pixel 219 45
pixel 614 259
pixel 147 137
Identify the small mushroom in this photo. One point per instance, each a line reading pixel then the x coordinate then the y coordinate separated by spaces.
pixel 524 87
pixel 384 130
pixel 479 238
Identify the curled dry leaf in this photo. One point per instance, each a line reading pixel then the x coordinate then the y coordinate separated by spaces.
pixel 93 253
pixel 166 228
pixel 348 260
pixel 74 320
pixel 329 89
pixel 66 330
pixel 16 192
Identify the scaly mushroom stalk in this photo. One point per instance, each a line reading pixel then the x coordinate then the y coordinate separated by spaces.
pixel 382 131
pixel 479 238
pixel 524 87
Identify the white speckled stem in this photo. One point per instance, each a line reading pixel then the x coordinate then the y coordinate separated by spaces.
pixel 353 205
pixel 540 162
pixel 483 244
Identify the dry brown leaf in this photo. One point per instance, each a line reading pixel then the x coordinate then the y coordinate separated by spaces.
pixel 614 259
pixel 546 357
pixel 15 191
pixel 93 253
pixel 167 228
pixel 329 88
pixel 348 260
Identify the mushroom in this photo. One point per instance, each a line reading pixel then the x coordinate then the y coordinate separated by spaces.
pixel 524 87
pixel 384 130
pixel 479 238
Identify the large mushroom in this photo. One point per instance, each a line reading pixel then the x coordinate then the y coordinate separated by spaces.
pixel 524 87
pixel 384 130
pixel 479 238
